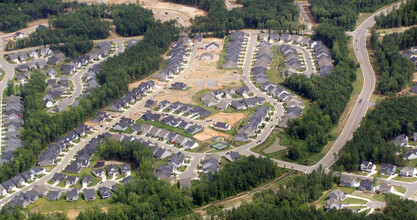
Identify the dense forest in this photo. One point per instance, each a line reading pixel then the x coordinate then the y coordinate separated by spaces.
pixel 406 15
pixel 279 15
pixel 329 94
pixel 372 140
pixel 41 128
pixel 343 13
pixel 233 178
pixel 127 152
pixel 394 70
pixel 74 31
pixel 15 14
pixel 132 19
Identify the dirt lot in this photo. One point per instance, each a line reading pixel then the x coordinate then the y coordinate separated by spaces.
pixel 203 75
pixel 72 214
pixel 230 118
pixel 209 133
pixel 163 11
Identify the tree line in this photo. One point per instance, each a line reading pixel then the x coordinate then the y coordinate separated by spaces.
pixel 372 141
pixel 329 95
pixel 73 32
pixel 405 15
pixel 394 70
pixel 343 13
pixel 41 128
pixel 14 15
pixel 239 176
pixel 281 16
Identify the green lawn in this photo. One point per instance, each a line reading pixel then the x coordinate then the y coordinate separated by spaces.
pixel 412 163
pixel 222 57
pixel 400 189
pixel 3 73
pixel 127 131
pixel 379 197
pixel 405 179
pixel 347 190
pixel 169 128
pixel 354 201
pixel 45 206
pixel 182 169
pixel 274 73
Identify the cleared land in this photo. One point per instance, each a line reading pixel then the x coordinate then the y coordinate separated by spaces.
pixel 275 147
pixel 163 11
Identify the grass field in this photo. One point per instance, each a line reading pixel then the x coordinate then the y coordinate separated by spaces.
pixel 354 201
pixel 169 128
pixel 45 206
pixel 274 73
pixel 222 57
pixel 405 179
pixel 379 197
pixel 400 189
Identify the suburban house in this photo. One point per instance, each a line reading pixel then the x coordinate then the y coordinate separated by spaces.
pixel 385 188
pixel 125 169
pixel 179 86
pixel 41 190
pixel 89 194
pixel 222 126
pixel 112 170
pixel 105 193
pixel 234 50
pixel 347 181
pixel 333 204
pixel 98 172
pixel 72 195
pixel 401 140
pixel 388 169
pixel 211 163
pixel 337 194
pixel 54 195
pixel 212 46
pixel 206 56
pixel 411 154
pixel 367 166
pixel 408 172
pixel 58 177
pixel 72 180
pixel 232 156
pixel 366 184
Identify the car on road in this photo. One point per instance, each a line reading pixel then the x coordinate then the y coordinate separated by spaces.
pixel 360 100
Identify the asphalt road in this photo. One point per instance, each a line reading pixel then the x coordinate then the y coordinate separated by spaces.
pixel 308 59
pixel 358 112
pixel 77 81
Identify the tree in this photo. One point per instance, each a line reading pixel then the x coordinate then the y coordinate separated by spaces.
pixel 10 89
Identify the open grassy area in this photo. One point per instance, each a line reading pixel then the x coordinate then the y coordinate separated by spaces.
pixel 127 131
pixel 379 197
pixel 274 73
pixel 347 190
pixel 45 206
pixel 169 128
pixel 405 179
pixel 3 73
pixel 412 163
pixel 400 189
pixel 222 57
pixel 354 201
